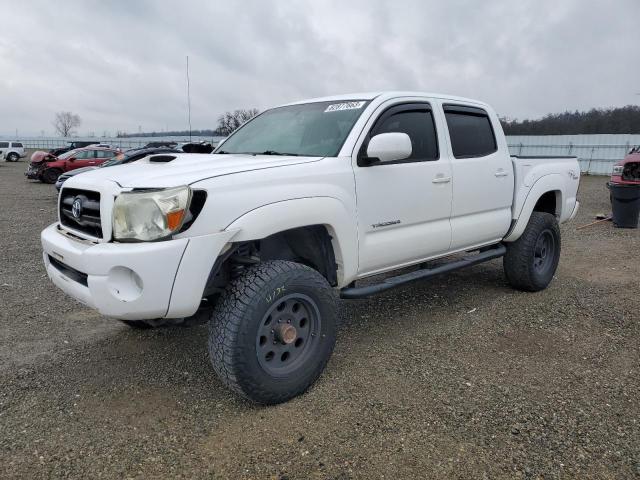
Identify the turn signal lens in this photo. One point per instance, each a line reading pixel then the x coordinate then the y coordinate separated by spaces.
pixel 174 219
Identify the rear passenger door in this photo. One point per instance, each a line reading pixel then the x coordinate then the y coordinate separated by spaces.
pixel 482 177
pixel 403 207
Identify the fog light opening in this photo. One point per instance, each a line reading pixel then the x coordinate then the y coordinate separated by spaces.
pixel 124 284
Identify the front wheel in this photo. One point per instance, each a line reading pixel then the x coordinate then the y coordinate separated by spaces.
pixel 13 157
pixel 50 175
pixel 273 331
pixel 532 260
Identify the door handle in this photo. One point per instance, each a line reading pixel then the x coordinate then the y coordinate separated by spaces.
pixel 441 180
pixel 501 173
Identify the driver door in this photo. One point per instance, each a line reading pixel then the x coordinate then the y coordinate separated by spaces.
pixel 404 206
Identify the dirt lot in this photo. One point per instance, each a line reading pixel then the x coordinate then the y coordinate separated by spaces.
pixel 461 377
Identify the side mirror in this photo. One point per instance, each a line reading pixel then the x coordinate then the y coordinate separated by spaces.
pixel 72 159
pixel 388 147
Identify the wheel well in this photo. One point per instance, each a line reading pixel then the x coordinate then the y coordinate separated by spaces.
pixel 547 203
pixel 310 245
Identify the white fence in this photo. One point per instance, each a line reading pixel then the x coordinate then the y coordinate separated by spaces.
pixel 596 153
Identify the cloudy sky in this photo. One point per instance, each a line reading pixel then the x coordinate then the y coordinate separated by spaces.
pixel 121 64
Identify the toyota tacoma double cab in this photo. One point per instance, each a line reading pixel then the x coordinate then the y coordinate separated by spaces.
pixel 294 210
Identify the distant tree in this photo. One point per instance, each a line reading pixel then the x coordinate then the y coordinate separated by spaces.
pixel 230 121
pixel 65 122
pixel 597 120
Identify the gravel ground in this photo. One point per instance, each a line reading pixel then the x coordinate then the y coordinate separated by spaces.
pixel 455 378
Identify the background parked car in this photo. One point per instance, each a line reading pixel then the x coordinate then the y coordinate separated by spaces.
pixel 11 151
pixel 158 144
pixel 120 159
pixel 196 147
pixel 71 146
pixel 47 168
pixel 627 171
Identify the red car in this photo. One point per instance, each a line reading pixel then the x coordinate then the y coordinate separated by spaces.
pixel 47 167
pixel 627 171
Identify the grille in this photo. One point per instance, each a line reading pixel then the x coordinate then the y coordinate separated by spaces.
pixel 631 172
pixel 89 219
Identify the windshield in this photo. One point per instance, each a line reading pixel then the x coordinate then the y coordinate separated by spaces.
pixel 67 155
pixel 310 129
pixel 114 161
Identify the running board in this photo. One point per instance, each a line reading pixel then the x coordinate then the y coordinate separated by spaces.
pixel 422 274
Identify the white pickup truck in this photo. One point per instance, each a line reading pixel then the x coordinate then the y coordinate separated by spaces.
pixel 294 209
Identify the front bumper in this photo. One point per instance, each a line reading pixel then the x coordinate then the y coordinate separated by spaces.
pixel 33 172
pixel 60 181
pixel 133 281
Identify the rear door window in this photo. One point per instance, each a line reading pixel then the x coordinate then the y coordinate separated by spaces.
pixel 17 145
pixel 4 144
pixel 470 131
pixel 84 154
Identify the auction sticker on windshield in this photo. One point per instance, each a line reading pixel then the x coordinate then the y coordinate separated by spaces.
pixel 338 107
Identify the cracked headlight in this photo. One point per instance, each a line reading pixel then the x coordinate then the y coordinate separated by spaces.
pixel 150 215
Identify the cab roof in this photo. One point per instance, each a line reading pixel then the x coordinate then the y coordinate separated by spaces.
pixel 386 95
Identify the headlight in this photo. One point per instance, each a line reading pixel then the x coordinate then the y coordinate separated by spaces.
pixel 617 169
pixel 150 215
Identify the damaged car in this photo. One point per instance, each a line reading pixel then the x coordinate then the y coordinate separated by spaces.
pixel 46 167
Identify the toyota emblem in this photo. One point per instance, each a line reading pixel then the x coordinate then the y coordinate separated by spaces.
pixel 76 208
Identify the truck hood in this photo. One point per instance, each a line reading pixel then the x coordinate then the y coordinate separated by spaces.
pixel 185 169
pixel 73 173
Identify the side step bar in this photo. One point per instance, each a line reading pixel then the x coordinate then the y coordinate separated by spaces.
pixel 422 274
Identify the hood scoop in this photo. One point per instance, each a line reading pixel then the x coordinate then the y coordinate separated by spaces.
pixel 162 158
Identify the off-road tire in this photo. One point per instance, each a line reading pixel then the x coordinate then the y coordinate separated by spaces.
pixel 525 253
pixel 50 175
pixel 238 321
pixel 13 157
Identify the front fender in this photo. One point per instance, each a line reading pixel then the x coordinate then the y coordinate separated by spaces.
pixel 328 211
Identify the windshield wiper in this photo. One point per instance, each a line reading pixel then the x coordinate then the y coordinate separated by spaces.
pixel 273 152
pixel 221 152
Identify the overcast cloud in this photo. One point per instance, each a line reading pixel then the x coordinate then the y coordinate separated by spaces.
pixel 121 65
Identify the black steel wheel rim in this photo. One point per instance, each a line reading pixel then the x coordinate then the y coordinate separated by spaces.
pixel 544 252
pixel 288 334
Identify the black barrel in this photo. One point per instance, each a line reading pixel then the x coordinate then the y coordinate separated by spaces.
pixel 625 204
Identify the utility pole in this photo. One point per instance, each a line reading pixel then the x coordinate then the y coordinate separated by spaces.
pixel 188 98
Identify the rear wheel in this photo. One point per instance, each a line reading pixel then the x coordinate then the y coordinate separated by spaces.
pixel 13 157
pixel 273 331
pixel 532 260
pixel 50 175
